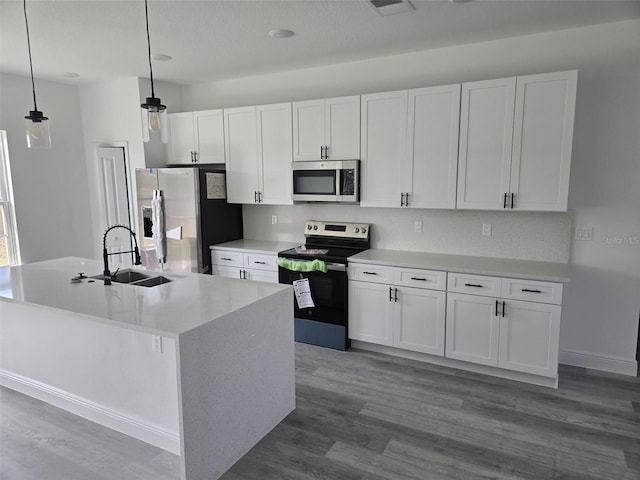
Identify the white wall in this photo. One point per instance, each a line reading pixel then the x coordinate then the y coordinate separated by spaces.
pixel 111 115
pixel 602 303
pixel 50 186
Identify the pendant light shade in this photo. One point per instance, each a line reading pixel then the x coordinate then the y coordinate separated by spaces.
pixel 36 124
pixel 154 113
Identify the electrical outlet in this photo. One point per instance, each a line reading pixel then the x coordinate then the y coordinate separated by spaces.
pixel 274 219
pixel 486 229
pixel 156 343
pixel 584 233
pixel 417 226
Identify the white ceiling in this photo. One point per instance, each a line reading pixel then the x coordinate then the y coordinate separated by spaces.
pixel 216 39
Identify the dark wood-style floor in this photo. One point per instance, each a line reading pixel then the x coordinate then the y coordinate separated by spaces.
pixel 369 416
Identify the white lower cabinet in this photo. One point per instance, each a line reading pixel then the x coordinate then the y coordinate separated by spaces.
pixel 394 314
pixel 505 323
pixel 246 266
pixel 502 330
pixel 472 329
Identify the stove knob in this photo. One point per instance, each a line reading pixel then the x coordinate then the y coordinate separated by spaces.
pixel 315 227
pixel 364 230
pixel 357 230
pixel 309 227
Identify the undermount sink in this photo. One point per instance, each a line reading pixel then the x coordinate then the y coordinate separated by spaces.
pixel 133 277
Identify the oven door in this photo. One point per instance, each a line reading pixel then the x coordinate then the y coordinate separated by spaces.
pixel 324 323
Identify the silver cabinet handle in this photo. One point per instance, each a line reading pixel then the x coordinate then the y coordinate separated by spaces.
pixel 370 273
pixel 260 263
pixel 472 285
pixel 402 199
pixel 531 291
pixel 421 279
pixel 406 199
pixel 225 258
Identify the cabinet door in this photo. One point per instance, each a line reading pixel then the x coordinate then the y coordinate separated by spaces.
pixel 209 136
pixel 472 329
pixel 275 153
pixel 370 313
pixel 261 275
pixel 228 272
pixel 542 140
pixel 241 148
pixel 529 337
pixel 419 322
pixel 181 138
pixel 384 133
pixel 432 146
pixel 486 128
pixel 342 128
pixel 308 129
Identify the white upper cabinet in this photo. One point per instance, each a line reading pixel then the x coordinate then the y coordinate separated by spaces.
pixel 409 146
pixel 486 132
pixel 383 143
pixel 542 140
pixel 196 137
pixel 327 129
pixel 515 142
pixel 275 153
pixel 432 147
pixel 258 153
pixel 241 154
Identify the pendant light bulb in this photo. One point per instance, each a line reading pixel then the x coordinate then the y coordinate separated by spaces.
pixel 36 124
pixel 154 114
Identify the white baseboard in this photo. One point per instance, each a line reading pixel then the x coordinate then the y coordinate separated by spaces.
pixel 605 363
pixel 92 411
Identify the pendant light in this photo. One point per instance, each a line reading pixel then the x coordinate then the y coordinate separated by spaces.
pixel 154 114
pixel 37 125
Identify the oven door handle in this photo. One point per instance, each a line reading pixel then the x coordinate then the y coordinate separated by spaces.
pixel 336 267
pixel 331 266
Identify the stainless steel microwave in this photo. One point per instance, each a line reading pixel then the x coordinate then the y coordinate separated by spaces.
pixel 326 181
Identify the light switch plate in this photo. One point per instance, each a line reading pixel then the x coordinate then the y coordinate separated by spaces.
pixel 486 229
pixel 584 233
pixel 417 226
pixel 274 219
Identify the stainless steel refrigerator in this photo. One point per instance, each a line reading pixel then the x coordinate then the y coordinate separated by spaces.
pixel 195 215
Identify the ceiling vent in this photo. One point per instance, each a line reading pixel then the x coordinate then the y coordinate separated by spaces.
pixel 391 7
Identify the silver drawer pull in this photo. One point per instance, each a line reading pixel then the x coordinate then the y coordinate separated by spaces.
pixel 369 273
pixel 226 258
pixel 421 279
pixel 261 263
pixel 472 285
pixel 531 291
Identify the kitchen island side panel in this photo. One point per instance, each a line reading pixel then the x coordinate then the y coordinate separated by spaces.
pixel 236 382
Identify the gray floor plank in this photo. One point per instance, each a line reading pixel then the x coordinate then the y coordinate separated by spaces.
pixel 367 416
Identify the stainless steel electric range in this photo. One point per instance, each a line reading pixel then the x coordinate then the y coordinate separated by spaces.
pixel 320 296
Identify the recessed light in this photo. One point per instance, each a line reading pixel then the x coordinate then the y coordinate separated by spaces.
pixel 281 33
pixel 161 57
pixel 71 74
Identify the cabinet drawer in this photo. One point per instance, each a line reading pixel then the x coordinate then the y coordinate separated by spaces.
pixel 413 277
pixel 227 258
pixel 532 291
pixel 474 284
pixel 370 273
pixel 261 262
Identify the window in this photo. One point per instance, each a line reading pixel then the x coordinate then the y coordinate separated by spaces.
pixel 9 252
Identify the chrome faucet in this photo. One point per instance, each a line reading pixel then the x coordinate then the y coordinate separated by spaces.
pixel 105 255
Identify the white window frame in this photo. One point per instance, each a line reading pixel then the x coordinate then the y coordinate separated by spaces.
pixel 7 204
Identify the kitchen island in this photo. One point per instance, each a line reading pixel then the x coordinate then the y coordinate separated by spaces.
pixel 202 366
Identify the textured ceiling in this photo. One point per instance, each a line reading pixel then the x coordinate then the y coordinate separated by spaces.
pixel 218 39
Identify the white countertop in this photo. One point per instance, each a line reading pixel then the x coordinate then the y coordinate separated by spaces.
pixel 170 309
pixel 499 267
pixel 265 247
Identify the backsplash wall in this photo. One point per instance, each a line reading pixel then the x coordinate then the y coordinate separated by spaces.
pixel 538 236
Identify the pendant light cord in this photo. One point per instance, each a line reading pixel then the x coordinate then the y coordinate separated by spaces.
pixel 33 85
pixel 146 14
